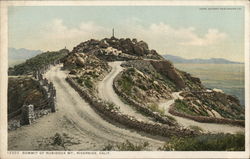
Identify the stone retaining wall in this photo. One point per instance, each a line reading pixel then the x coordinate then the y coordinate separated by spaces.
pixel 47 88
pixel 140 107
pixel 204 119
pixel 28 115
pixel 131 122
pixel 15 113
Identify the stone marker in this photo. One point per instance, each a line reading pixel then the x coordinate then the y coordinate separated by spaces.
pixel 28 115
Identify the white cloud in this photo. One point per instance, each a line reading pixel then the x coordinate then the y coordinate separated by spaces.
pixel 57 29
pixel 56 34
pixel 186 42
pixel 179 36
pixel 213 36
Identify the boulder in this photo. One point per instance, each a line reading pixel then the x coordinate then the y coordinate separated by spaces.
pixel 140 48
pixel 134 41
pixel 143 44
pixel 80 61
pixel 139 51
pixel 104 44
pixel 73 72
pixel 167 69
pixel 94 42
pixel 126 46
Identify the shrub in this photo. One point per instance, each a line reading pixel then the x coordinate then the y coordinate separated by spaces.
pixel 183 107
pixel 208 142
pixel 126 84
pixel 112 106
pixel 80 81
pixel 88 83
pixel 108 147
pixel 169 84
pixel 196 128
pixel 131 70
pixel 128 146
pixel 58 140
pixel 155 108
pixel 170 117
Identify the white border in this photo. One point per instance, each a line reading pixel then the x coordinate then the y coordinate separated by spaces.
pixel 147 154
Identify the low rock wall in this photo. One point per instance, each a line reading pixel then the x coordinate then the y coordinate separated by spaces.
pixel 48 90
pixel 204 119
pixel 131 122
pixel 28 113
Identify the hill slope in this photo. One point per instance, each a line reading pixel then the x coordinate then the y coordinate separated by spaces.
pixel 36 62
pixel 148 78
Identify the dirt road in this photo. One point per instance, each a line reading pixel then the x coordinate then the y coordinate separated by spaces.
pixel 207 127
pixel 107 93
pixel 76 118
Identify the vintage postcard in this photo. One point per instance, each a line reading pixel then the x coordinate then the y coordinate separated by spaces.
pixel 124 79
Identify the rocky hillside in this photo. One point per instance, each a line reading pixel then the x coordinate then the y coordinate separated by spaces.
pixel 148 78
pixel 150 81
pixel 86 68
pixel 112 49
pixel 215 104
pixel 88 61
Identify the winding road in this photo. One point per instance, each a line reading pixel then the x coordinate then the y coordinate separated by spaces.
pixel 107 93
pixel 76 117
pixel 84 117
pixel 206 127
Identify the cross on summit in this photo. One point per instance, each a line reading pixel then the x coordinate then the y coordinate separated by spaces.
pixel 113 33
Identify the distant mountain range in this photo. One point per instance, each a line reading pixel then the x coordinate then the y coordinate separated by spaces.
pixel 16 56
pixel 177 59
pixel 21 54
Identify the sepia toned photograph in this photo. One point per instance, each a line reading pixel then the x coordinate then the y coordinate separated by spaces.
pixel 124 79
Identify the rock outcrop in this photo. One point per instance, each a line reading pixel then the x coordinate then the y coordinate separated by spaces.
pixel 86 68
pixel 80 63
pixel 167 69
pixel 112 49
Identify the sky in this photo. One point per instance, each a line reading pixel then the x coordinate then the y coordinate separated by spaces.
pixel 189 32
